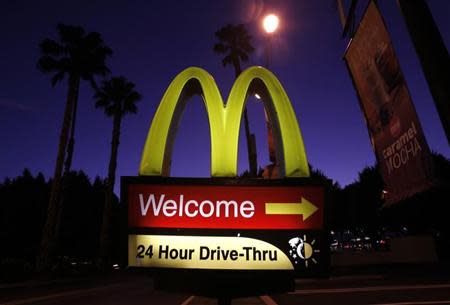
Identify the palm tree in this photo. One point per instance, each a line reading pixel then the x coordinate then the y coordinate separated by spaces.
pixel 80 56
pixel 235 43
pixel 117 97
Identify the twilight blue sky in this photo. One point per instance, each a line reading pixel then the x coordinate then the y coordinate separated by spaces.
pixel 154 40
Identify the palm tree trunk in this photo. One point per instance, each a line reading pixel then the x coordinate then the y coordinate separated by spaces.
pixel 45 256
pixel 65 178
pixel 251 141
pixel 70 147
pixel 237 68
pixel 105 238
pixel 251 146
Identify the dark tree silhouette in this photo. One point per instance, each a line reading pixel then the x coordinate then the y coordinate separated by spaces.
pixel 80 56
pixel 235 44
pixel 23 202
pixel 23 208
pixel 426 212
pixel 333 195
pixel 361 201
pixel 84 201
pixel 117 97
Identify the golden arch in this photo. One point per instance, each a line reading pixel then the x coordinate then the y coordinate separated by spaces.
pixel 224 122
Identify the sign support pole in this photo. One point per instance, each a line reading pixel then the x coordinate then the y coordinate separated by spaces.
pixel 432 53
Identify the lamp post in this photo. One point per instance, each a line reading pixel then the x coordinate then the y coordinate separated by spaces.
pixel 270 24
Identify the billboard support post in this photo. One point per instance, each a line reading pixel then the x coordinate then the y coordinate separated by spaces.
pixel 432 53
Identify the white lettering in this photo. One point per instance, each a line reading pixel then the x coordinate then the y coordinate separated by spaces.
pixel 402 150
pixel 170 208
pixel 151 200
pixel 202 208
pixel 186 208
pixel 191 208
pixel 247 206
pixel 181 206
pixel 226 205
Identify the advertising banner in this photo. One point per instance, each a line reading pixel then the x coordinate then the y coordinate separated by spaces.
pixel 394 128
pixel 223 225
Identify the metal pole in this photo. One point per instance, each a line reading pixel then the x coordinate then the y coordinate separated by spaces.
pixel 341 10
pixel 250 137
pixel 432 53
pixel 271 171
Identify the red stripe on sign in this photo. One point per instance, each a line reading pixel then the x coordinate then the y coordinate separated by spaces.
pixel 224 207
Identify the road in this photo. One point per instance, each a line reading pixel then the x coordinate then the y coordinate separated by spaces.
pixel 138 289
pixel 368 290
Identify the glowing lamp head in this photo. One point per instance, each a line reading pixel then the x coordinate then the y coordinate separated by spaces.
pixel 270 23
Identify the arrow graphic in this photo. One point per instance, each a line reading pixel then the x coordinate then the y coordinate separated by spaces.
pixel 304 208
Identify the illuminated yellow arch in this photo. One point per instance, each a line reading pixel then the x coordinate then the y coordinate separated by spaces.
pixel 224 122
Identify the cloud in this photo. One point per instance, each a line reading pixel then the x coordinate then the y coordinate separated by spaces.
pixel 14 105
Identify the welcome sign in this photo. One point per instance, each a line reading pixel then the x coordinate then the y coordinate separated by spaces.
pixel 224 223
pixel 221 224
pixel 193 205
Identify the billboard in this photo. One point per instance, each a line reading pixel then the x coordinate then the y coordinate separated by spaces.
pixel 394 128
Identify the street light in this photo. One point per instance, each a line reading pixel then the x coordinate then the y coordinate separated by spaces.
pixel 270 23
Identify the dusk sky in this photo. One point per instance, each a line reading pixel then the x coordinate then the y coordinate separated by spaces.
pixel 155 40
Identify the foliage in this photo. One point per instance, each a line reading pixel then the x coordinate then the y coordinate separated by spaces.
pixel 23 208
pixel 23 205
pixel 319 176
pixel 360 205
pixel 427 212
pixel 75 53
pixel 117 97
pixel 235 43
pixel 81 56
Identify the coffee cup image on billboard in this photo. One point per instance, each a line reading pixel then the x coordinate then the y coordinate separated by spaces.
pixel 384 78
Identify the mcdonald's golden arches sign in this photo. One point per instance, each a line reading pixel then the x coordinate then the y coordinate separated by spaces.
pixel 226 223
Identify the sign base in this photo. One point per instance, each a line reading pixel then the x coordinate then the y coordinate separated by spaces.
pixel 225 283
